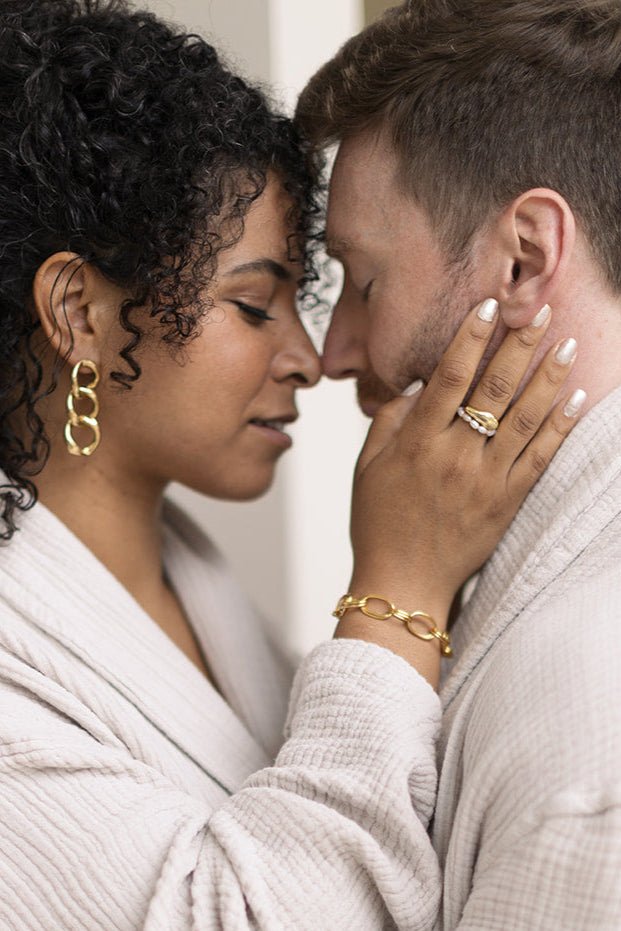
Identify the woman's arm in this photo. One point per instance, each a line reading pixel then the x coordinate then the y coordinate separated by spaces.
pixel 332 836
pixel 432 497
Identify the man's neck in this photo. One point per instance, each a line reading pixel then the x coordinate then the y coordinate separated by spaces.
pixel 584 307
pixel 595 322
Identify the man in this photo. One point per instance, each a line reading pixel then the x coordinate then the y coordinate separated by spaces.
pixel 480 154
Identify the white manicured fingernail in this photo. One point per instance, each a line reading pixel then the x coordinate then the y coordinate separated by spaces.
pixel 542 316
pixel 575 403
pixel 488 310
pixel 566 352
pixel 413 389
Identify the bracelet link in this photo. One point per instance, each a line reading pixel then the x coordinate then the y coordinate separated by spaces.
pixel 418 623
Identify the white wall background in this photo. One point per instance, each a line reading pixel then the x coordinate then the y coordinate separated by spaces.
pixel 291 549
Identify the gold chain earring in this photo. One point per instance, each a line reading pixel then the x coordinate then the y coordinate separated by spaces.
pixel 83 420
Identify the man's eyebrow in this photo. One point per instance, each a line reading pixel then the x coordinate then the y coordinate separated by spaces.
pixel 337 247
pixel 268 266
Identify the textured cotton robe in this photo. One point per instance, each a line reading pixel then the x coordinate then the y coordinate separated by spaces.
pixel 133 795
pixel 527 826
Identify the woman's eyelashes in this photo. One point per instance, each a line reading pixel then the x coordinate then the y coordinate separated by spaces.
pixel 254 314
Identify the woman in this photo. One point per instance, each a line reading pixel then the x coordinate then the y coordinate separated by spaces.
pixel 155 231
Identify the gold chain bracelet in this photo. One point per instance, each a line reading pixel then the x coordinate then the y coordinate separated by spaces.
pixel 419 623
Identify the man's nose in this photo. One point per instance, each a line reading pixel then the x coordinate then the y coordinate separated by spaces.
pixel 345 348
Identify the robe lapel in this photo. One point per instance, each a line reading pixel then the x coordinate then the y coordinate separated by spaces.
pixel 48 576
pixel 573 503
pixel 252 674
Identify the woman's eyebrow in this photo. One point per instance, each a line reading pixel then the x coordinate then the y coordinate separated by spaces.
pixel 262 265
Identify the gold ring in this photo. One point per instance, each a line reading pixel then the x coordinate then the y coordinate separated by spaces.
pixel 482 421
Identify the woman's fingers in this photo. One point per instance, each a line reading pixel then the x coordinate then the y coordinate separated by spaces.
pixel 500 380
pixel 543 447
pixel 524 419
pixel 456 371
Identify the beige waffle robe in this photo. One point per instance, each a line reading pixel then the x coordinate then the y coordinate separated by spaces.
pixel 135 796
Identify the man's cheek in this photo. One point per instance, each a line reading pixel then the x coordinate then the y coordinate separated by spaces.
pixel 383 352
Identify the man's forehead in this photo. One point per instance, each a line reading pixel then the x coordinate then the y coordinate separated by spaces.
pixel 362 195
pixel 354 223
pixel 362 157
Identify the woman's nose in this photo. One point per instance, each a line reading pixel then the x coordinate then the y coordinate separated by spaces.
pixel 298 360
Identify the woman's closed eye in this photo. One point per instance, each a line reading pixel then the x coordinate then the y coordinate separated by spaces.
pixel 254 314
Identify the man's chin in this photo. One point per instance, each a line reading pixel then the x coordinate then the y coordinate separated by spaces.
pixel 369 408
pixel 372 394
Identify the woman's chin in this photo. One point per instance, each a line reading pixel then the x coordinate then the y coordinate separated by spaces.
pixel 249 493
pixel 241 488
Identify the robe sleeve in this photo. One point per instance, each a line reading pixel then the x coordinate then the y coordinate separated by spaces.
pixel 333 835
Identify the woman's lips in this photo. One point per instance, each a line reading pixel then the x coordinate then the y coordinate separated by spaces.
pixel 274 429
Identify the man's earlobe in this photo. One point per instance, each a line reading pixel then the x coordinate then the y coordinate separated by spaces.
pixel 538 233
pixel 518 315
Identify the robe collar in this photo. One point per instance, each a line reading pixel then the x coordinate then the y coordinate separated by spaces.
pixel 56 583
pixel 573 502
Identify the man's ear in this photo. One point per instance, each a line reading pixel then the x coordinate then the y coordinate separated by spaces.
pixel 62 294
pixel 537 233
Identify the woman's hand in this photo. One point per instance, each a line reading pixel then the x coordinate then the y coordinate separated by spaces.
pixel 432 497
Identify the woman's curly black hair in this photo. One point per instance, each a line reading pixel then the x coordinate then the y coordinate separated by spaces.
pixel 126 141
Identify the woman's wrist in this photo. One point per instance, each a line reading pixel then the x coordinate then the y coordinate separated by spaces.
pixel 391 633
pixel 415 594
pixel 424 656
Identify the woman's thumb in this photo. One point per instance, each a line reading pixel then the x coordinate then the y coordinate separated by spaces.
pixel 387 423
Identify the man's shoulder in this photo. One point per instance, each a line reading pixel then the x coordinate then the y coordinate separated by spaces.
pixel 570 628
pixel 550 688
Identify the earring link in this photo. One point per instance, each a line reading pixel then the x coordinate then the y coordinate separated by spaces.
pixel 74 419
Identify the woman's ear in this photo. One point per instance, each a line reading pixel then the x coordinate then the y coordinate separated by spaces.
pixel 76 305
pixel 538 233
pixel 61 302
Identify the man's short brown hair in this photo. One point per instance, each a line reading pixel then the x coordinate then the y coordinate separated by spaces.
pixel 483 100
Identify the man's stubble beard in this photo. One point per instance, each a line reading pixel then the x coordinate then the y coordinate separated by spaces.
pixel 430 340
